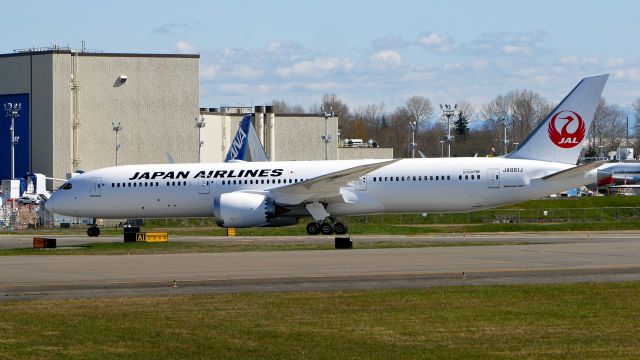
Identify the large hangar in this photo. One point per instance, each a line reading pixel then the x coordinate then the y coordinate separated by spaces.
pixel 71 99
pixel 285 136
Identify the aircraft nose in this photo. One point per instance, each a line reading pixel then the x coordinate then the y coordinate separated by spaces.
pixel 49 204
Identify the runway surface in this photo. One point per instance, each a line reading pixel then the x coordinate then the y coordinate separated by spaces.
pixel 548 258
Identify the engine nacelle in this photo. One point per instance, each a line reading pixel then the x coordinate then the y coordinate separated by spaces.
pixel 238 209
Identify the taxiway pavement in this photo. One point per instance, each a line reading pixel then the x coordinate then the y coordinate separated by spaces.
pixel 547 258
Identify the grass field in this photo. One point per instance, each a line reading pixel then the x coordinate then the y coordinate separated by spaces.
pixel 142 248
pixel 572 321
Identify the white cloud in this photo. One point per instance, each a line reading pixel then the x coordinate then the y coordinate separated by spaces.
pixel 436 42
pixel 389 42
pixel 170 28
pixel 246 72
pixel 631 73
pixel 184 47
pixel 512 49
pixel 245 89
pixel 477 70
pixel 314 67
pixel 569 60
pixel 433 39
pixel 614 62
pixel 507 43
pixel 390 57
pixel 209 71
pixel 452 67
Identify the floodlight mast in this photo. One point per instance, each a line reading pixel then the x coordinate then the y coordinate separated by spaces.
pixel 505 141
pixel 116 129
pixel 413 145
pixel 326 138
pixel 200 123
pixel 448 111
pixel 13 111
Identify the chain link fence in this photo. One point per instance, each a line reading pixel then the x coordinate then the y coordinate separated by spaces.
pixel 500 216
pixel 35 217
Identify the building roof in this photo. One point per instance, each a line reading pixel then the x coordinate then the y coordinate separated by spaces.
pixel 47 51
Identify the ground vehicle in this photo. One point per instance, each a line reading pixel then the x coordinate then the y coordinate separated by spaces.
pixel 29 199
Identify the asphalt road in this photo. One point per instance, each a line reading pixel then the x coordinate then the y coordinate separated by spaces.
pixel 549 258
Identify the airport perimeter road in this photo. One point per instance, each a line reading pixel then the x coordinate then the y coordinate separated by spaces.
pixel 33 277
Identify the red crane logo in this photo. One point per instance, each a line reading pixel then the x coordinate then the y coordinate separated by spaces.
pixel 564 138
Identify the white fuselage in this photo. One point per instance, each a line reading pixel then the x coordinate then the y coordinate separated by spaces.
pixel 406 186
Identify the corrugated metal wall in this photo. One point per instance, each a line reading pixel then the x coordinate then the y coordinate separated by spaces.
pixel 156 106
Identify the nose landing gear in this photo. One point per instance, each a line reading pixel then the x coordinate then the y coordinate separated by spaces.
pixel 93 231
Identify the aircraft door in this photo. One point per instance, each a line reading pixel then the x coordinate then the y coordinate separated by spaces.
pixel 361 184
pixel 494 178
pixel 203 186
pixel 95 188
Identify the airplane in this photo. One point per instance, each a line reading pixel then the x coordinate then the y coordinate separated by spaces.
pixel 619 174
pixel 278 193
pixel 245 145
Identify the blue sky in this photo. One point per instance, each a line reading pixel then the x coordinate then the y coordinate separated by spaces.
pixel 365 51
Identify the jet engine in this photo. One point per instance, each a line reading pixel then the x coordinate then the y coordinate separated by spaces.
pixel 240 209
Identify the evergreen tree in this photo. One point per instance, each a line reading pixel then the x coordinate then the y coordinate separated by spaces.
pixel 461 125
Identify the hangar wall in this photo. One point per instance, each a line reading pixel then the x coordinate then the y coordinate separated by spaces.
pixel 296 137
pixel 156 105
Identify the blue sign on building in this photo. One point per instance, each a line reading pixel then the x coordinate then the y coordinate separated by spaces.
pixel 21 130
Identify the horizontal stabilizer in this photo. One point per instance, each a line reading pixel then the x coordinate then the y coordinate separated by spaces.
pixel 575 171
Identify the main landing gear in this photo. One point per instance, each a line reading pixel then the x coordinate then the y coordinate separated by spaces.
pixel 327 227
pixel 324 223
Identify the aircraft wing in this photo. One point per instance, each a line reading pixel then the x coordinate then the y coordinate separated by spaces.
pixel 325 187
pixel 575 171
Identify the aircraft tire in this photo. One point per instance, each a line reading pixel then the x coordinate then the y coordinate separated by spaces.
pixel 93 231
pixel 340 228
pixel 313 228
pixel 326 228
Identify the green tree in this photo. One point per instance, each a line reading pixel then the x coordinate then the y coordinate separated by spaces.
pixel 461 124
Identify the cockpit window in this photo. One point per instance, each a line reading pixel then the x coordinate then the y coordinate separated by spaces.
pixel 66 186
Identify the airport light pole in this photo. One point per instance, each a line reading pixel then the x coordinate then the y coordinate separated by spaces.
pixel 13 111
pixel 326 138
pixel 505 141
pixel 413 144
pixel 448 112
pixel 200 123
pixel 441 148
pixel 117 129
